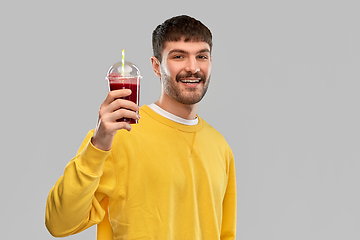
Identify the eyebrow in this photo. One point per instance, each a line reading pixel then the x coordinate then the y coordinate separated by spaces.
pixel 185 52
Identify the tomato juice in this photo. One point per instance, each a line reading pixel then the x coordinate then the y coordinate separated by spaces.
pixel 133 83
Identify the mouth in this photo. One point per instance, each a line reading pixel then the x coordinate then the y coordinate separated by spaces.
pixel 191 81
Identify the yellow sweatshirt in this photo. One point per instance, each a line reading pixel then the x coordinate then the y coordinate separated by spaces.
pixel 160 181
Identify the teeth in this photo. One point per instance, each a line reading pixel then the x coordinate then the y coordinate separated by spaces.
pixel 190 81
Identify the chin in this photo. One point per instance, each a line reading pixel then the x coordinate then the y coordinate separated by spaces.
pixel 190 101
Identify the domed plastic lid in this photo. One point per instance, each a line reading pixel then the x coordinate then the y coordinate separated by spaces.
pixel 130 70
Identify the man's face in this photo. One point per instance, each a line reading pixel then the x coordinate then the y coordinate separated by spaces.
pixel 185 70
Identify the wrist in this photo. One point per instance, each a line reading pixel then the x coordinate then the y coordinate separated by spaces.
pixel 100 145
pixel 91 159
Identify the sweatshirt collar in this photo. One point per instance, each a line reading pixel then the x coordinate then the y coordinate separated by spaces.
pixel 182 127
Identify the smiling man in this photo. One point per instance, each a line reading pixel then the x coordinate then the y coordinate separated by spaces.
pixel 185 76
pixel 169 177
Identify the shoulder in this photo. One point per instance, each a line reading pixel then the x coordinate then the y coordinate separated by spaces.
pixel 214 135
pixel 208 129
pixel 215 143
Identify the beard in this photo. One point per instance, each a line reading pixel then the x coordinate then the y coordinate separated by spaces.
pixel 188 96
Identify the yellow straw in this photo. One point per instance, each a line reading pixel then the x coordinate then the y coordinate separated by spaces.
pixel 123 63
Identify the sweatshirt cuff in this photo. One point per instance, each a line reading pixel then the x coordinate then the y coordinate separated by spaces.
pixel 92 159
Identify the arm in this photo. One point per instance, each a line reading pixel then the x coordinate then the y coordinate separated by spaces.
pixel 76 201
pixel 228 229
pixel 73 203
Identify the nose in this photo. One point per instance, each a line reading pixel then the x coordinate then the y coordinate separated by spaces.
pixel 192 65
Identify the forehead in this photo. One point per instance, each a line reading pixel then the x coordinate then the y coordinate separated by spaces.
pixel 186 46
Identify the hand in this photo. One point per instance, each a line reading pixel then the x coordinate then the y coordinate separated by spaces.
pixel 111 109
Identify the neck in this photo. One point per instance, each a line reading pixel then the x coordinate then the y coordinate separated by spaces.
pixel 176 108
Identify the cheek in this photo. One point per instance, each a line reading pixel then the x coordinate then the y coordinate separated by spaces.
pixel 164 71
pixel 207 70
pixel 172 71
pixel 164 68
pixel 205 65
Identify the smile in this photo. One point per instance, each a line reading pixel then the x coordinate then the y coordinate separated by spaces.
pixel 190 81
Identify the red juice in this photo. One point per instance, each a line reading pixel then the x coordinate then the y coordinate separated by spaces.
pixel 133 84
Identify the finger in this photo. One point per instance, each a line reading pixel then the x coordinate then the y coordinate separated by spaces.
pixel 109 126
pixel 112 95
pixel 122 125
pixel 123 113
pixel 122 103
pixel 114 126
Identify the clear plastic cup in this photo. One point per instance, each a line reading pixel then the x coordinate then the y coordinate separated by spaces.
pixel 130 80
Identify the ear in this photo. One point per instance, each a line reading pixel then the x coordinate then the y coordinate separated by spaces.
pixel 156 66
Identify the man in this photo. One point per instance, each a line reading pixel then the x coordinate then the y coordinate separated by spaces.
pixel 169 177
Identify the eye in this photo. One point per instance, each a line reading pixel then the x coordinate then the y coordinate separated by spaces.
pixel 203 57
pixel 177 57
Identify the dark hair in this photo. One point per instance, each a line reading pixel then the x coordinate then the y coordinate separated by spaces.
pixel 175 28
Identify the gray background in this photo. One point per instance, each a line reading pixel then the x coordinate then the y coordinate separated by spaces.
pixel 284 93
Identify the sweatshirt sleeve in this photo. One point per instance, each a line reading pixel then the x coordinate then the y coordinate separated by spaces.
pixel 74 203
pixel 228 229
